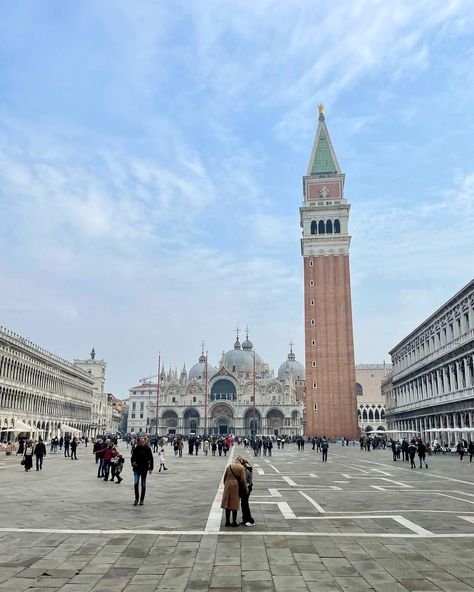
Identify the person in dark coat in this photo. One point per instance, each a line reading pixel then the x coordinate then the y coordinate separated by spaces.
pixel 74 449
pixel 142 463
pixel 40 453
pixel 422 454
pixel 247 519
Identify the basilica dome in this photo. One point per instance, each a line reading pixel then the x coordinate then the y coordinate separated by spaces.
pixel 291 369
pixel 198 371
pixel 240 359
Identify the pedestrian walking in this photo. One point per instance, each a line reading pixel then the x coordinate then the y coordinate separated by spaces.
pixel 40 453
pixel 142 463
pixel 27 460
pixel 471 450
pixel 422 454
pixel 412 453
pixel 162 461
pixel 67 443
pixel 325 448
pixel 460 450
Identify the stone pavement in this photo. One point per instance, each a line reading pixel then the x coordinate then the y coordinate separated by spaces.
pixel 358 522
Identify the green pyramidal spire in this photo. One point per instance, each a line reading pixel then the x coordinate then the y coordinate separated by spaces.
pixel 323 158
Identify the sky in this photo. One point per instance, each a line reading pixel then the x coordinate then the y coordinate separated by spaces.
pixel 151 156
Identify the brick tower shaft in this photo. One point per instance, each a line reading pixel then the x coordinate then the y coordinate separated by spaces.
pixel 329 346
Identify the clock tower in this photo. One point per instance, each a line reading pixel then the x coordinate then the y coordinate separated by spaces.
pixel 329 345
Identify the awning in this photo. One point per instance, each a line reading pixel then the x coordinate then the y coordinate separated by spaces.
pixel 21 426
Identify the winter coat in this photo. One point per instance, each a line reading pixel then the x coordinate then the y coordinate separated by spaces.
pixel 40 449
pixel 230 496
pixel 142 459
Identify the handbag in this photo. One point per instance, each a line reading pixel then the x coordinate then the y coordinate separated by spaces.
pixel 22 462
pixel 242 491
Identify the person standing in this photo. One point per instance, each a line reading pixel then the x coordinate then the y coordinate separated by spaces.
pixel 325 448
pixel 471 450
pixel 40 453
pixel 74 449
pixel 205 447
pixel 460 449
pixel 247 519
pixel 234 485
pixel 142 463
pixel 66 446
pixel 162 461
pixel 116 463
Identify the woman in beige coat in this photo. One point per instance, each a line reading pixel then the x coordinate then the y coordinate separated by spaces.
pixel 234 474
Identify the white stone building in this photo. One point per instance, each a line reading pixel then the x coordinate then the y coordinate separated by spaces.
pixel 40 391
pixel 432 383
pixel 101 420
pixel 229 389
pixel 370 401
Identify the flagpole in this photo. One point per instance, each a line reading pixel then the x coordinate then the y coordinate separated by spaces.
pixel 254 389
pixel 158 393
pixel 206 395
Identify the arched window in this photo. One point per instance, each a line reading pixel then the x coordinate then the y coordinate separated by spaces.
pixel 364 415
pixel 371 415
pixel 376 415
pixel 329 227
pixel 314 227
pixel 382 415
pixel 359 390
pixel 337 227
pixel 321 227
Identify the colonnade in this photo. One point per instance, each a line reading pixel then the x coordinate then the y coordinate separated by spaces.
pixel 448 378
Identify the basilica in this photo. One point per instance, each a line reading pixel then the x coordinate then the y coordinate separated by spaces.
pixel 240 396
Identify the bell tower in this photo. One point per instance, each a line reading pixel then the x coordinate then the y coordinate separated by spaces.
pixel 329 345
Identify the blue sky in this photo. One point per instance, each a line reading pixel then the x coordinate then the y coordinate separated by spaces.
pixel 151 156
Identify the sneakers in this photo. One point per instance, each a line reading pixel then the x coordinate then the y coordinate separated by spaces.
pixel 249 524
pixel 135 503
pixel 141 503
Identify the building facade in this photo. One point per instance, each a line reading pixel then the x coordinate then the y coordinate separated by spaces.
pixel 240 396
pixel 40 390
pixel 370 401
pixel 331 406
pixel 432 382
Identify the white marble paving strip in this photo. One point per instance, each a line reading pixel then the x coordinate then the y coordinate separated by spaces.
pixel 274 468
pixel 456 498
pixel 313 502
pixel 411 525
pixel 214 519
pixel 260 471
pixel 399 483
pixel 289 481
pixel 246 533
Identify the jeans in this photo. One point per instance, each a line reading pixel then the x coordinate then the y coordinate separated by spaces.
pixel 105 469
pixel 39 462
pixel 137 476
pixel 325 455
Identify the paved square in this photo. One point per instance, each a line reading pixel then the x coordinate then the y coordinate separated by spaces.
pixel 358 522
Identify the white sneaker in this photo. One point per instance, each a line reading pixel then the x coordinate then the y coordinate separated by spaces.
pixel 249 524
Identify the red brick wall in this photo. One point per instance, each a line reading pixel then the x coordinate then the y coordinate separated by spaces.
pixel 334 373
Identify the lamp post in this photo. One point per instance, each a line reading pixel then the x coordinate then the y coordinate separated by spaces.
pixel 254 390
pixel 206 394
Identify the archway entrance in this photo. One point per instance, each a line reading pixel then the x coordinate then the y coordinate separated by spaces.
pixel 275 421
pixel 252 422
pixel 191 421
pixel 222 419
pixel 223 389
